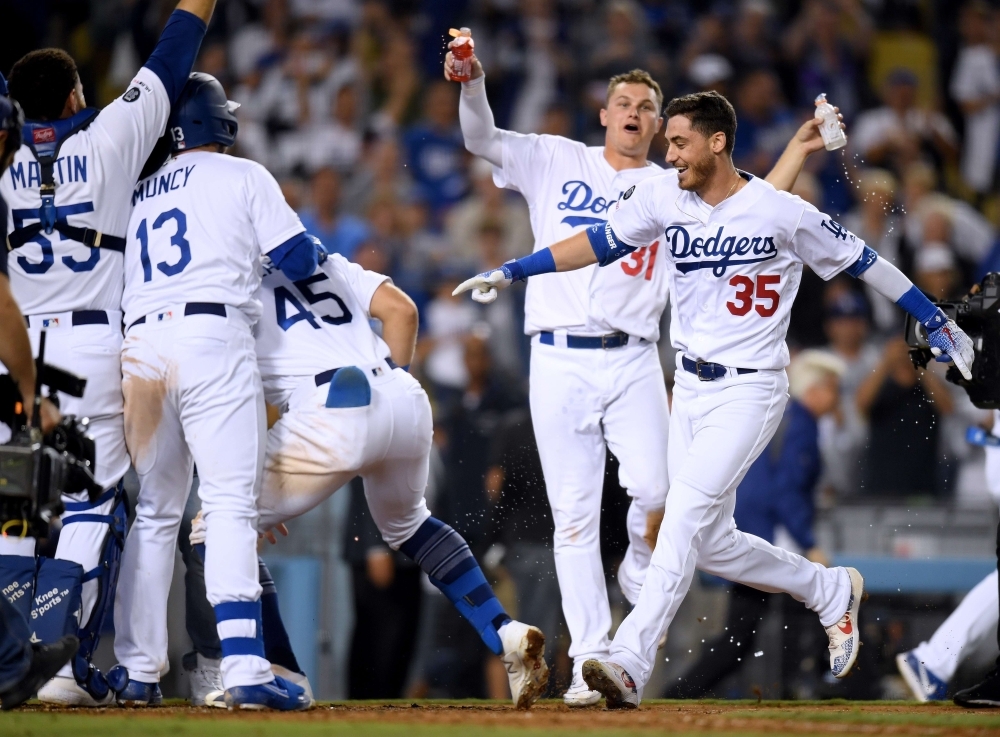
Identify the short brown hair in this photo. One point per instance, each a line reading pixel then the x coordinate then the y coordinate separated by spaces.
pixel 709 113
pixel 41 80
pixel 636 76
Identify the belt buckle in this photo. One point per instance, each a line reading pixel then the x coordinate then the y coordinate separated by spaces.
pixel 604 342
pixel 697 370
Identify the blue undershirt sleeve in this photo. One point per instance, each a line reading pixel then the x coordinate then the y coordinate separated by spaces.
pixel 607 246
pixel 175 52
pixel 297 257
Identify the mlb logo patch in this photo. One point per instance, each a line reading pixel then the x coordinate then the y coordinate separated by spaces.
pixel 43 135
pixel 50 322
pixel 377 371
pixel 164 316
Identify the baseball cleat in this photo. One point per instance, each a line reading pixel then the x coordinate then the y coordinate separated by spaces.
pixel 524 658
pixel 204 678
pixel 279 695
pixel 299 679
pixel 845 635
pixel 216 699
pixel 130 693
pixel 613 682
pixel 923 684
pixel 579 694
pixel 982 695
pixel 65 691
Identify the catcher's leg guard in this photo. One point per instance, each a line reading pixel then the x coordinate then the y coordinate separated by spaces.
pixel 445 557
pixel 56 604
pixel 17 582
pixel 106 573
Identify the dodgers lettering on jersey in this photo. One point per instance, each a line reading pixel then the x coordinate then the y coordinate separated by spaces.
pixel 198 229
pixel 94 176
pixel 316 324
pixel 569 186
pixel 736 267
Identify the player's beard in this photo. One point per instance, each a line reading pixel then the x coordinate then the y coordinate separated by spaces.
pixel 699 172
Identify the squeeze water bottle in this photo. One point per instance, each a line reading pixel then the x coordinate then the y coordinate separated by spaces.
pixel 462 49
pixel 831 132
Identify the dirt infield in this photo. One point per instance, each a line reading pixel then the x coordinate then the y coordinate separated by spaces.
pixel 547 719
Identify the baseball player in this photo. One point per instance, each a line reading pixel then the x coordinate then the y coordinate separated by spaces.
pixel 68 191
pixel 595 375
pixel 929 667
pixel 735 247
pixel 199 229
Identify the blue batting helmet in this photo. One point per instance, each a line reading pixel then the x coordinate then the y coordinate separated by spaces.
pixel 202 115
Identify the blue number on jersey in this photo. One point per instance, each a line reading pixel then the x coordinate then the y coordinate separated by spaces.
pixel 283 298
pixel 177 239
pixel 48 258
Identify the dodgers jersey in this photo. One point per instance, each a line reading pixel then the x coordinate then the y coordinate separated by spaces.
pixel 736 266
pixel 315 324
pixel 198 229
pixel 94 176
pixel 568 187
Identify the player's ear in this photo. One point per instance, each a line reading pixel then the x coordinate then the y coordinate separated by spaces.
pixel 659 124
pixel 604 117
pixel 718 142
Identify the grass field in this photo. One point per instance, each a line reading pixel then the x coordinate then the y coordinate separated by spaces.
pixel 546 719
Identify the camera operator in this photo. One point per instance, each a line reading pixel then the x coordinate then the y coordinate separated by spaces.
pixel 23 666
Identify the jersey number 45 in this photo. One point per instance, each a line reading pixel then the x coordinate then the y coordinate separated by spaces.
pixel 284 298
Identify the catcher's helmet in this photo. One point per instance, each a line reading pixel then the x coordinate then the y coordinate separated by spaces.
pixel 202 115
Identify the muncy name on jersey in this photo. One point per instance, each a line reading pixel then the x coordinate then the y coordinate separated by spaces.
pixel 157 185
pixel 716 252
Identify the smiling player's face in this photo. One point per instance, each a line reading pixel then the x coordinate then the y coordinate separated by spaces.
pixel 691 153
pixel 632 117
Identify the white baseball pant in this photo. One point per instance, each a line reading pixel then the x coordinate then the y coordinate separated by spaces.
pixel 313 450
pixel 973 619
pixel 94 353
pixel 580 400
pixel 717 430
pixel 193 395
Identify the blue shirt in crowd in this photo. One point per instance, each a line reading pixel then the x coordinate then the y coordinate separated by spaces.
pixel 435 161
pixel 345 237
pixel 778 488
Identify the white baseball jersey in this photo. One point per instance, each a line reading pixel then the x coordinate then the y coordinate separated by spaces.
pixel 94 176
pixel 737 266
pixel 569 186
pixel 198 229
pixel 316 324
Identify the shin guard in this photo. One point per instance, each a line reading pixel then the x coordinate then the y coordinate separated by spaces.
pixel 446 559
pixel 277 647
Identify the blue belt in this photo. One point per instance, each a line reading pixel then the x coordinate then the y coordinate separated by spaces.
pixel 325 377
pixel 614 340
pixel 81 317
pixel 193 308
pixel 706 371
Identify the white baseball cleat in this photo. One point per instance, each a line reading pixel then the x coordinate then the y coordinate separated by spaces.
pixel 579 694
pixel 299 679
pixel 65 691
pixel 613 682
pixel 205 679
pixel 845 635
pixel 524 658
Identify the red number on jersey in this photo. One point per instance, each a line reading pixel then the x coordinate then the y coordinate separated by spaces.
pixel 637 259
pixel 745 293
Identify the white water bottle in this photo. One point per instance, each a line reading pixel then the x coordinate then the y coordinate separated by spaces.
pixel 833 135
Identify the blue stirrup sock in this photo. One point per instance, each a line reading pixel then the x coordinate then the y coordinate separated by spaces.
pixel 445 557
pixel 235 622
pixel 277 647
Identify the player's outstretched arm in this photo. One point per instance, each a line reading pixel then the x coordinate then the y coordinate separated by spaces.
pixel 482 137
pixel 400 321
pixel 804 143
pixel 595 245
pixel 948 341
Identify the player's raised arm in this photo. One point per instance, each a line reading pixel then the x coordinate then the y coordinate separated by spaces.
pixel 482 137
pixel 806 141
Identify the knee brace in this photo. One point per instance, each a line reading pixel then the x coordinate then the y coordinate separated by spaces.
pixel 106 574
pixel 277 647
pixel 446 559
pixel 17 582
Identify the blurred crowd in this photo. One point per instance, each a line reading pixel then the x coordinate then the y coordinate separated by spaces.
pixel 344 101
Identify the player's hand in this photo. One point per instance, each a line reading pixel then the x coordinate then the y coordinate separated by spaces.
pixel 653 522
pixel 950 343
pixel 269 534
pixel 477 68
pixel 808 136
pixel 485 286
